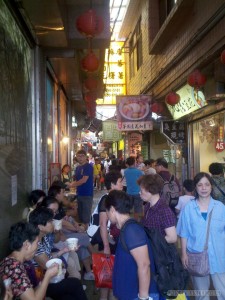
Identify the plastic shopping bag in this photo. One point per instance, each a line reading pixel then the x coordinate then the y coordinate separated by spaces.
pixel 103 269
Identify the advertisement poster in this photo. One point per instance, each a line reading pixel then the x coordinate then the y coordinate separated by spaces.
pixel 133 113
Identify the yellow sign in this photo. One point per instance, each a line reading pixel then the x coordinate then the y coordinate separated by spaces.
pixel 114 73
pixel 121 145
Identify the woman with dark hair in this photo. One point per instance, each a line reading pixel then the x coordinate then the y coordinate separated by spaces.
pixel 133 266
pixel 192 228
pixel 157 213
pixel 34 199
pixel 57 241
pixel 68 288
pixel 23 240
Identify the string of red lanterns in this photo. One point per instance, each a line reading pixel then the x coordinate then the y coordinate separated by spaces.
pixel 90 25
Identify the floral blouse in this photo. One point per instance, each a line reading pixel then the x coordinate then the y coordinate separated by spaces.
pixel 14 269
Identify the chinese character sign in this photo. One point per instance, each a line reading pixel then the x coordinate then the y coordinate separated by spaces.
pixel 134 143
pixel 110 131
pixel 190 100
pixel 114 73
pixel 174 131
pixel 133 113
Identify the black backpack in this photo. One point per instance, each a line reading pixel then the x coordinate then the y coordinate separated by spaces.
pixel 171 192
pixel 170 276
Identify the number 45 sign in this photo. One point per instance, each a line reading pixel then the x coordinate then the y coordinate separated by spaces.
pixel 219 143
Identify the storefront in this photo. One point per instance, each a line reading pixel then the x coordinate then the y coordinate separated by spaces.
pixel 206 138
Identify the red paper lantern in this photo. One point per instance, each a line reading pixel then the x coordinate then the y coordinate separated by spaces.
pixel 172 98
pixel 196 79
pixel 89 24
pixel 90 98
pixel 91 83
pixel 157 108
pixel 90 62
pixel 222 57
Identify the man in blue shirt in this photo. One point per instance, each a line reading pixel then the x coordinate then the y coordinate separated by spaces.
pixel 132 174
pixel 84 185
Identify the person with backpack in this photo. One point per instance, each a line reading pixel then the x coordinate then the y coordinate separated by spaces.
pixel 157 214
pixel 100 228
pixel 171 189
pixel 132 278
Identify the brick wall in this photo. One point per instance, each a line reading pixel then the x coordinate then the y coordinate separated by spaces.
pixel 159 71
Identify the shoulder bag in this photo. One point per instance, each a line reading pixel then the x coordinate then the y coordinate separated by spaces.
pixel 198 263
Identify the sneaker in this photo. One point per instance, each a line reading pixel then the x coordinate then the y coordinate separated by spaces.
pixel 89 276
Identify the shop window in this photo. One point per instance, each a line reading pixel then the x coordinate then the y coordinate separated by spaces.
pixel 135 46
pixel 164 17
pixel 165 7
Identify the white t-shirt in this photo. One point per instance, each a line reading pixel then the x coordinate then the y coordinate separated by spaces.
pixel 183 200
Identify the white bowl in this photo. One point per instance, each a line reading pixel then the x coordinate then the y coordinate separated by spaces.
pixel 135 107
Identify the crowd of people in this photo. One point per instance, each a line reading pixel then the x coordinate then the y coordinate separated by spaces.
pixel 134 188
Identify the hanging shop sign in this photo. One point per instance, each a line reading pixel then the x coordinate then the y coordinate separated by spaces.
pixel 134 143
pixel 133 112
pixel 174 131
pixel 190 100
pixel 219 145
pixel 110 131
pixel 114 73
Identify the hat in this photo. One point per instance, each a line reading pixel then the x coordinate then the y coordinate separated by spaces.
pixel 59 183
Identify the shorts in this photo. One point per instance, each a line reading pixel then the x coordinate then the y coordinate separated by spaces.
pixel 84 208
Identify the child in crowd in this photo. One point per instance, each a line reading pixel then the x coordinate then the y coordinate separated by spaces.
pixel 188 188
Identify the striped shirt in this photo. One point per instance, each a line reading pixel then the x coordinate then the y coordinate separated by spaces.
pixel 44 247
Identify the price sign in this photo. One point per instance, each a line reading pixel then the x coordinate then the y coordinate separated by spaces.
pixel 219 145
